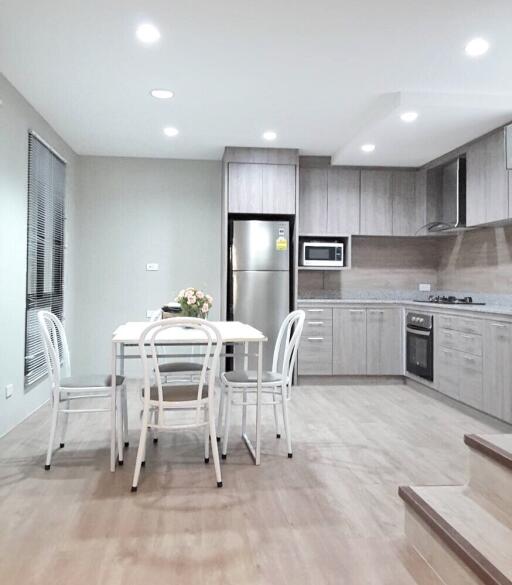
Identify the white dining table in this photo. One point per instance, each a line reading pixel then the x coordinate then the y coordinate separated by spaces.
pixel 232 333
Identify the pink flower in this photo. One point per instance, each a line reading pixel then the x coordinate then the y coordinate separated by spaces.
pixel 209 299
pixel 205 308
pixel 200 294
pixel 191 300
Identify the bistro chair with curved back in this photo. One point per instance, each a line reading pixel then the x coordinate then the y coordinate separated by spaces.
pixel 65 388
pixel 277 383
pixel 197 396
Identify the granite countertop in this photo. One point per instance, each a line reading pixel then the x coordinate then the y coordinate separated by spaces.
pixel 488 308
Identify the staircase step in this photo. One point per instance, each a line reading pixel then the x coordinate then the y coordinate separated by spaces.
pixel 464 542
pixel 490 467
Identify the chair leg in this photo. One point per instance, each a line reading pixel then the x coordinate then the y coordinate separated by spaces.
pixel 119 426
pixel 206 437
pixel 220 419
pixel 55 413
pixel 287 424
pixel 154 432
pixel 276 415
pixel 113 421
pixel 141 451
pixel 227 423
pixel 125 417
pixel 215 448
pixel 64 426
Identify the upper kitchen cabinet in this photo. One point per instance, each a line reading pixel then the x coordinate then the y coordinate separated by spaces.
pixel 313 201
pixel 343 201
pixel 405 204
pixel 261 188
pixel 487 195
pixel 377 202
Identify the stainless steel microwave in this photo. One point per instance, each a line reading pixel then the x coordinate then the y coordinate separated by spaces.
pixel 322 254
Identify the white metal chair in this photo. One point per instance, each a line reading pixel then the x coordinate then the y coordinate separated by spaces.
pixel 66 388
pixel 277 383
pixel 197 396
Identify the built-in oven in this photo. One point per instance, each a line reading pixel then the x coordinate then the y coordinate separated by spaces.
pixel 420 345
pixel 322 254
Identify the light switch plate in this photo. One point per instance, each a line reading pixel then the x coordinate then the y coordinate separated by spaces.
pixel 425 287
pixel 152 266
pixel 9 389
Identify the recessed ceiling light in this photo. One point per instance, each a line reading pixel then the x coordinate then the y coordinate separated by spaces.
pixel 368 147
pixel 409 116
pixel 147 33
pixel 171 131
pixel 162 94
pixel 477 47
pixel 269 135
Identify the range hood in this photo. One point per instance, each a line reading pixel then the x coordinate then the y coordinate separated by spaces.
pixel 446 196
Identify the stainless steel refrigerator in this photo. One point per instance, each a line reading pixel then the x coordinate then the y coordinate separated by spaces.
pixel 259 278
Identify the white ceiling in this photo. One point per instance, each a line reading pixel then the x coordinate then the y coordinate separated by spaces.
pixel 326 75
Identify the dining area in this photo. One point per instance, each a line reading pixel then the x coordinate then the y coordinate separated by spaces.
pixel 193 371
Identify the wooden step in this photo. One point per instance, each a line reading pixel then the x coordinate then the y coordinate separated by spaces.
pixel 490 467
pixel 463 541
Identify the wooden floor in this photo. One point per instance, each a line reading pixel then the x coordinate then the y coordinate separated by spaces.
pixel 329 515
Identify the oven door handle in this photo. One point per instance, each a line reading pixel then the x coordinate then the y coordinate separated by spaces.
pixel 419 332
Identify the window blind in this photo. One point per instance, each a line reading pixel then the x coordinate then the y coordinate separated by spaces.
pixel 45 248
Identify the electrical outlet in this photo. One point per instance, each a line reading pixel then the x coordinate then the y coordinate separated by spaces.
pixel 152 266
pixel 424 287
pixel 9 389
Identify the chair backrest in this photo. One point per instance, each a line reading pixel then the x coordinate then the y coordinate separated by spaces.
pixel 287 344
pixel 55 345
pixel 206 335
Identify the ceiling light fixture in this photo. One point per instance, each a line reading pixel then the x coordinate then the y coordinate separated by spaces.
pixel 162 94
pixel 147 33
pixel 408 116
pixel 477 47
pixel 368 147
pixel 269 135
pixel 171 131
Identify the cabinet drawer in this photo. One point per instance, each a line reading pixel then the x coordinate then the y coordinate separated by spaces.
pixel 318 313
pixel 315 354
pixel 470 343
pixel 463 324
pixel 471 380
pixel 317 327
pixel 449 339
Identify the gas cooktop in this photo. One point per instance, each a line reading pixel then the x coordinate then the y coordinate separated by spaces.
pixel 442 300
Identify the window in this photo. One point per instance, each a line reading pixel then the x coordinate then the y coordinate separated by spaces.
pixel 45 248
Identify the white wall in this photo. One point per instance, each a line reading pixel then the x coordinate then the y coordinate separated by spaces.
pixel 130 212
pixel 17 117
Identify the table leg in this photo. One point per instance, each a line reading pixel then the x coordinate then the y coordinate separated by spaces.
pixel 124 405
pixel 244 393
pixel 113 414
pixel 258 403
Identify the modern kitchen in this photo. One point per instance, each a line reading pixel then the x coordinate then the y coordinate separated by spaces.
pixel 290 257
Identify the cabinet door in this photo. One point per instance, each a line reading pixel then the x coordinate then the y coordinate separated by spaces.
pixel 384 342
pixel 278 189
pixel 313 201
pixel 349 342
pixel 497 393
pixel 470 380
pixel 448 372
pixel 405 221
pixel 245 188
pixel 315 354
pixel 376 203
pixel 487 180
pixel 343 201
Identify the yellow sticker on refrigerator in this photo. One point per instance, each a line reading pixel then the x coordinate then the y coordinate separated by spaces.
pixel 281 244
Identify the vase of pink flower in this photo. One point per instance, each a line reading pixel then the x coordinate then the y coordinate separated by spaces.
pixel 194 302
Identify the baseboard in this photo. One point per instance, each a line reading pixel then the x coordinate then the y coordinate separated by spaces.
pixel 348 380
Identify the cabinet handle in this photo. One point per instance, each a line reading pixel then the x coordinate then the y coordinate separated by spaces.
pixel 468 359
pixel 500 325
pixel 466 336
pixel 356 310
pixel 315 310
pixel 447 334
pixel 316 322
pixel 315 338
pixel 376 311
pixel 446 351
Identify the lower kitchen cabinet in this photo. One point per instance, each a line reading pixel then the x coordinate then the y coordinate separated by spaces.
pixel 497 370
pixel 349 342
pixel 384 342
pixel 448 372
pixel 315 350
